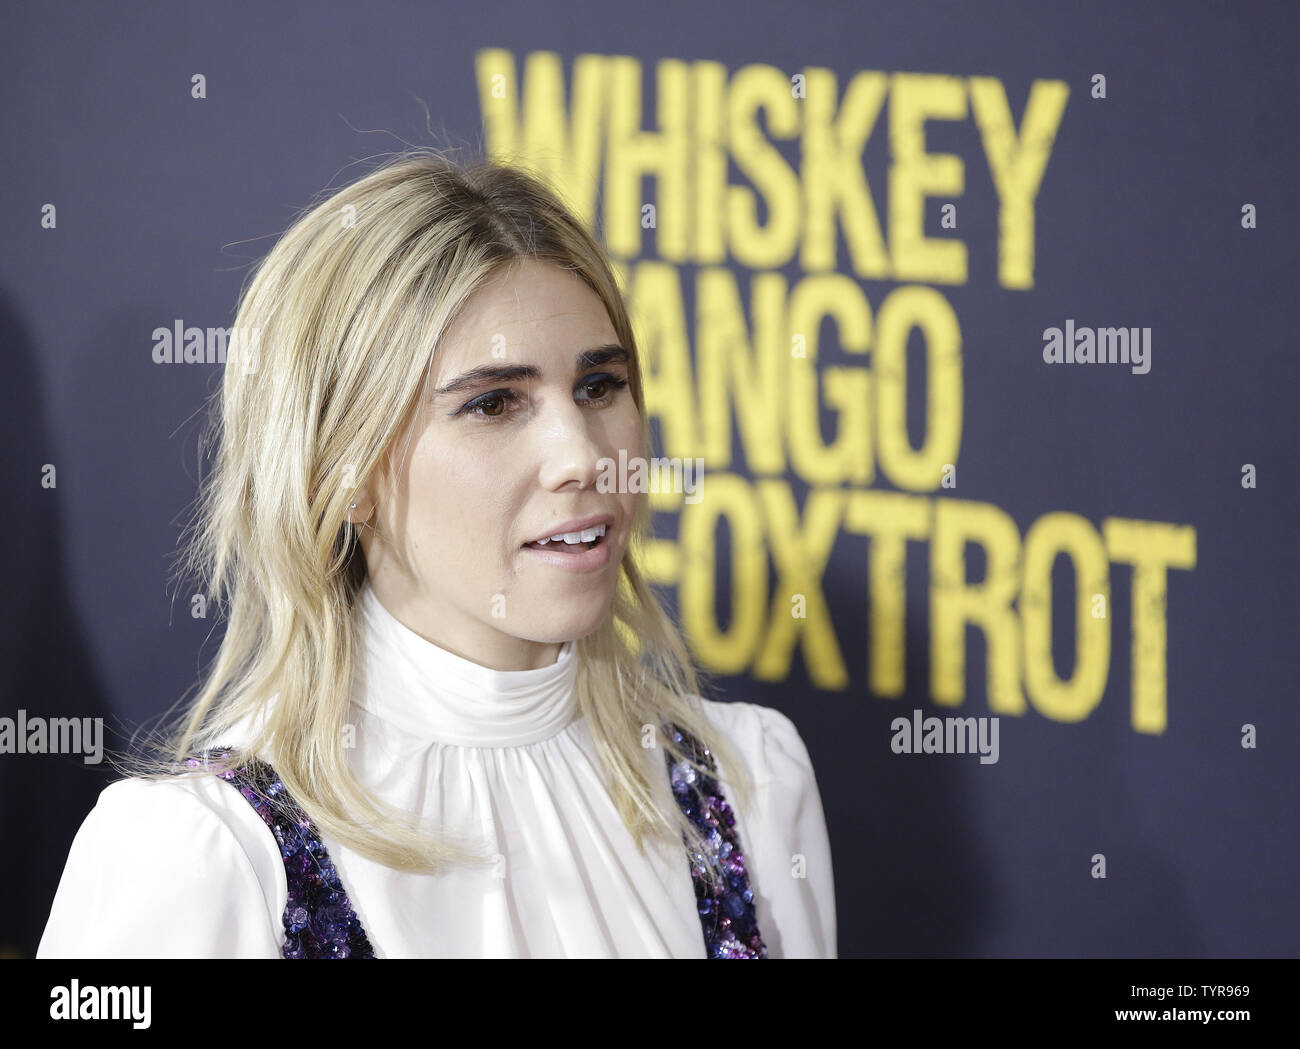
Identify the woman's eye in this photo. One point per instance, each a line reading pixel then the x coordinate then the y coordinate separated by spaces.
pixel 492 405
pixel 602 381
pixel 500 403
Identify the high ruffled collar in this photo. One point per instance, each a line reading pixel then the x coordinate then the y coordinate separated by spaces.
pixel 437 696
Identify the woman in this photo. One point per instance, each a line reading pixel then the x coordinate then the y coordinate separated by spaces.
pixel 448 717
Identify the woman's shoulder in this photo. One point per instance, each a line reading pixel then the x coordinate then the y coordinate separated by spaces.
pixel 154 865
pixel 736 713
pixel 197 801
pixel 767 737
pixel 202 810
pixel 788 846
pixel 185 794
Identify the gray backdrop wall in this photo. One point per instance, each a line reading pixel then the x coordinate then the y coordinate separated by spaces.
pixel 1099 555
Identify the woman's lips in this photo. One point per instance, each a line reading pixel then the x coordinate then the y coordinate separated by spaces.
pixel 562 546
pixel 580 557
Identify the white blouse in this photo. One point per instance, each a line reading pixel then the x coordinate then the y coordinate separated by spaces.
pixel 187 869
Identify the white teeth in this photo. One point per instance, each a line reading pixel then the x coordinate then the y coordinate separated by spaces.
pixel 585 536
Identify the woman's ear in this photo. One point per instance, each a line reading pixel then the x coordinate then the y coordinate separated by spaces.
pixel 363 506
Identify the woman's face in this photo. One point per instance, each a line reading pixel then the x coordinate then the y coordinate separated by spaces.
pixel 495 461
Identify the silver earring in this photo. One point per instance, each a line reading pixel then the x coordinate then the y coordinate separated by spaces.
pixel 353 506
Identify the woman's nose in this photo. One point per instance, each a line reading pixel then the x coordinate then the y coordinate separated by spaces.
pixel 571 449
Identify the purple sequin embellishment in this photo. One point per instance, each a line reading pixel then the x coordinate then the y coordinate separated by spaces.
pixel 320 923
pixel 318 919
pixel 727 908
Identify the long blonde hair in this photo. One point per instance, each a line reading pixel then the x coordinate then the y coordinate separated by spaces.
pixel 345 307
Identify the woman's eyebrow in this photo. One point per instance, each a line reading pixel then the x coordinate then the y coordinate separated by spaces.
pixel 607 354
pixel 486 373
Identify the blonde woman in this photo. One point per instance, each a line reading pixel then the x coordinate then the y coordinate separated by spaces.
pixel 448 717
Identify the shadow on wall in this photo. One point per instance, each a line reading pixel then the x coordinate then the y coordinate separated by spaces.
pixel 46 664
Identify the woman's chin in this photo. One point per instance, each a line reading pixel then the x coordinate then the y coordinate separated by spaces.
pixel 576 620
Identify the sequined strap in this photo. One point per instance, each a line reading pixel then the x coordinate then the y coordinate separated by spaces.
pixel 318 919
pixel 726 907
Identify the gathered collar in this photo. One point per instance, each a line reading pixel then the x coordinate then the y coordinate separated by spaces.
pixel 438 696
